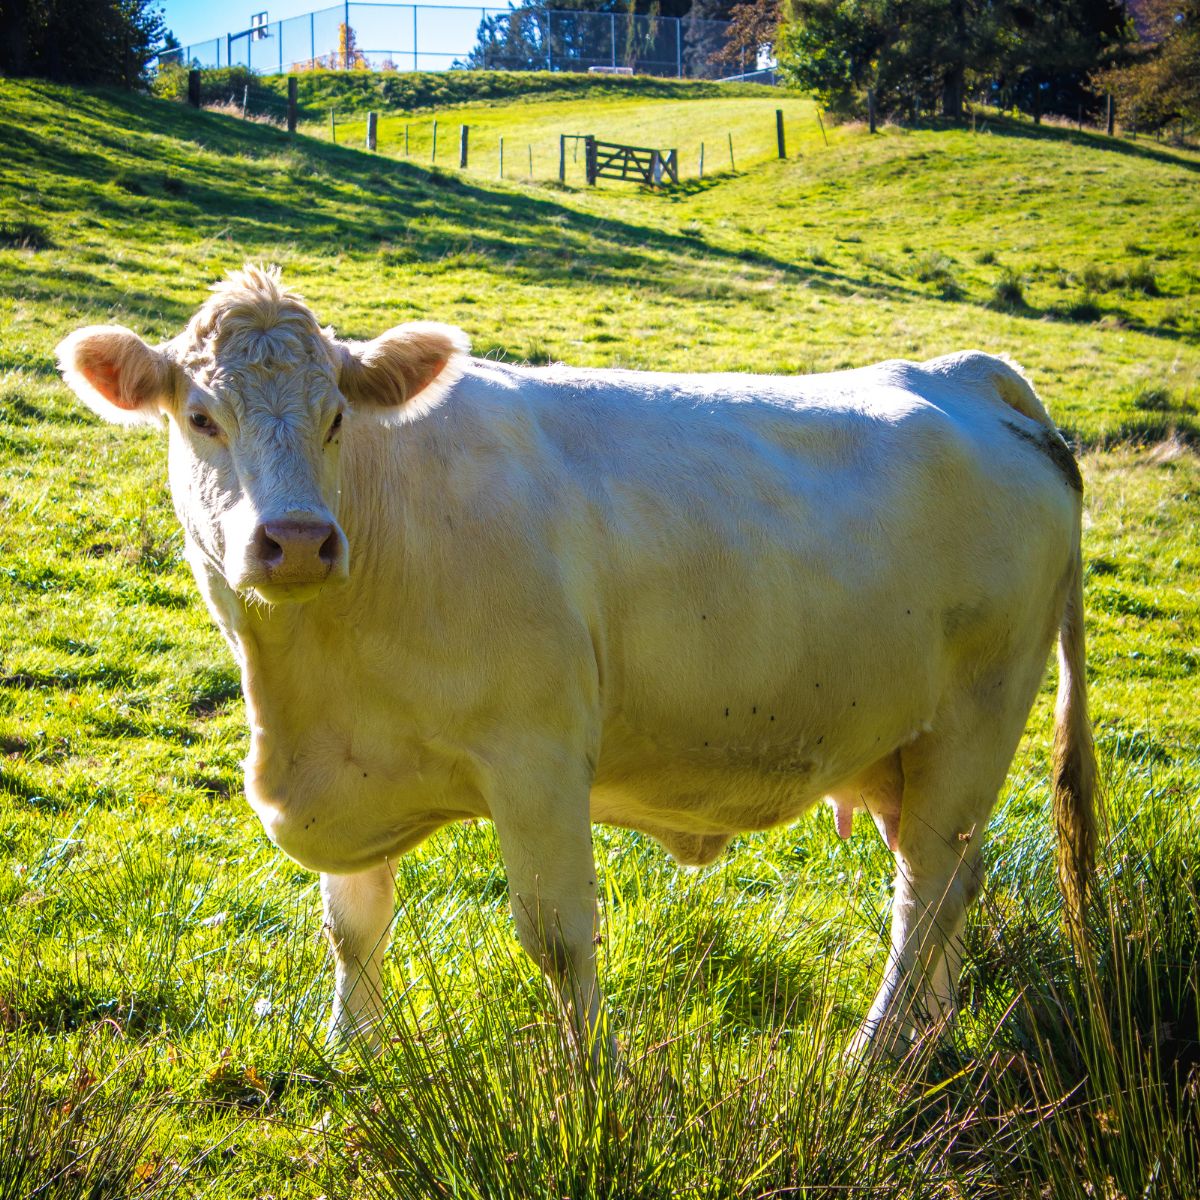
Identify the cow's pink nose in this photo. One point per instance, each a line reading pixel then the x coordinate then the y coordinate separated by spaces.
pixel 297 551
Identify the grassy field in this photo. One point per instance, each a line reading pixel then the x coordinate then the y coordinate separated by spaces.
pixel 531 133
pixel 162 982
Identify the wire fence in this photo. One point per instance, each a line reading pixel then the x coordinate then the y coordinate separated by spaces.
pixel 422 37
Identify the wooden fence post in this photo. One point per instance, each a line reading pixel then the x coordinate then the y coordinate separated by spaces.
pixel 1108 114
pixel 530 162
pixel 589 160
pixel 655 168
pixel 372 124
pixel 434 158
pixel 333 125
pixel 406 141
pixel 871 109
pixel 562 158
pixel 464 136
pixel 779 132
pixel 292 85
pixel 501 176
pixel 731 166
pixel 194 88
pixel 245 100
pixel 701 160
pixel 824 135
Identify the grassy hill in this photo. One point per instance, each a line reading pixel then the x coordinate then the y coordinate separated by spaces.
pixel 161 986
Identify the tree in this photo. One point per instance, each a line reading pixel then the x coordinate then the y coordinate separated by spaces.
pixel 1161 81
pixel 837 49
pixel 704 30
pixel 587 33
pixel 349 56
pixel 80 41
pixel 751 31
pixel 513 41
pixel 169 50
pixel 1049 51
pixel 924 54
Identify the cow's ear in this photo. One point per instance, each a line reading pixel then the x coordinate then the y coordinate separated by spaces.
pixel 116 374
pixel 410 367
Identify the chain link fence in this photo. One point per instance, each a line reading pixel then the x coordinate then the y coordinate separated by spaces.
pixel 420 37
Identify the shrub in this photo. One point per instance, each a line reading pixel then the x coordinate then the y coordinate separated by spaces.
pixel 216 87
pixel 1139 278
pixel 1152 398
pixel 23 235
pixel 1082 310
pixel 1008 292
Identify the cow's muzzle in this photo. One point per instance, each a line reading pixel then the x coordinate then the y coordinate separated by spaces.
pixel 289 558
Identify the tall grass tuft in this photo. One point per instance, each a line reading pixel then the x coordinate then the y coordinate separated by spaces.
pixel 1008 292
pixel 491 1100
pixel 1062 1078
pixel 67 1133
pixel 1094 1089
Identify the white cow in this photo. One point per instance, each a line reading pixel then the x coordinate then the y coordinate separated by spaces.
pixel 690 605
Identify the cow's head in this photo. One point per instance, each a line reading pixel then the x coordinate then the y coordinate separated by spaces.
pixel 254 393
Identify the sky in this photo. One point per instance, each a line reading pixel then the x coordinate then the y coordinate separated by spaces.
pixel 194 21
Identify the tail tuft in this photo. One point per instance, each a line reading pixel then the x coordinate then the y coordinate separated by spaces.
pixel 1074 768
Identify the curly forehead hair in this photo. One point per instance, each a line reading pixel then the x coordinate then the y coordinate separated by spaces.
pixel 252 320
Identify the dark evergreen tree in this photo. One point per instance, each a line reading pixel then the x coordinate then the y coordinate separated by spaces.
pixel 1051 50
pixel 534 36
pixel 80 41
pixel 926 55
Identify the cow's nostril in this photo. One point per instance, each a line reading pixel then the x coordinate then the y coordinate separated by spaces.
pixel 267 550
pixel 329 547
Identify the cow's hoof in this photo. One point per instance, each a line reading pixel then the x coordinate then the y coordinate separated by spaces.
pixel 879 1040
pixel 360 1040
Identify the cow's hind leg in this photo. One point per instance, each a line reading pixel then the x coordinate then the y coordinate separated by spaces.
pixel 358 917
pixel 952 776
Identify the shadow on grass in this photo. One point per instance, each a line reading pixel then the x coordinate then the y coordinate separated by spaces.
pixel 168 174
pixel 1009 127
pixel 262 189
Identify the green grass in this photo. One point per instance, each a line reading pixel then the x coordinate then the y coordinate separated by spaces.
pixel 162 985
pixel 672 123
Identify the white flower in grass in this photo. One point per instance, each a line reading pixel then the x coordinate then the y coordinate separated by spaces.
pixel 263 1008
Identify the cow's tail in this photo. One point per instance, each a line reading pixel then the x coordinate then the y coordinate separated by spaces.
pixel 1074 753
pixel 1074 764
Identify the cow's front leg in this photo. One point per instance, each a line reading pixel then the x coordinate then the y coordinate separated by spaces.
pixel 358 917
pixel 546 840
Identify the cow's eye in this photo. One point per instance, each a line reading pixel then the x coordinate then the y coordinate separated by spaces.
pixel 203 423
pixel 337 424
